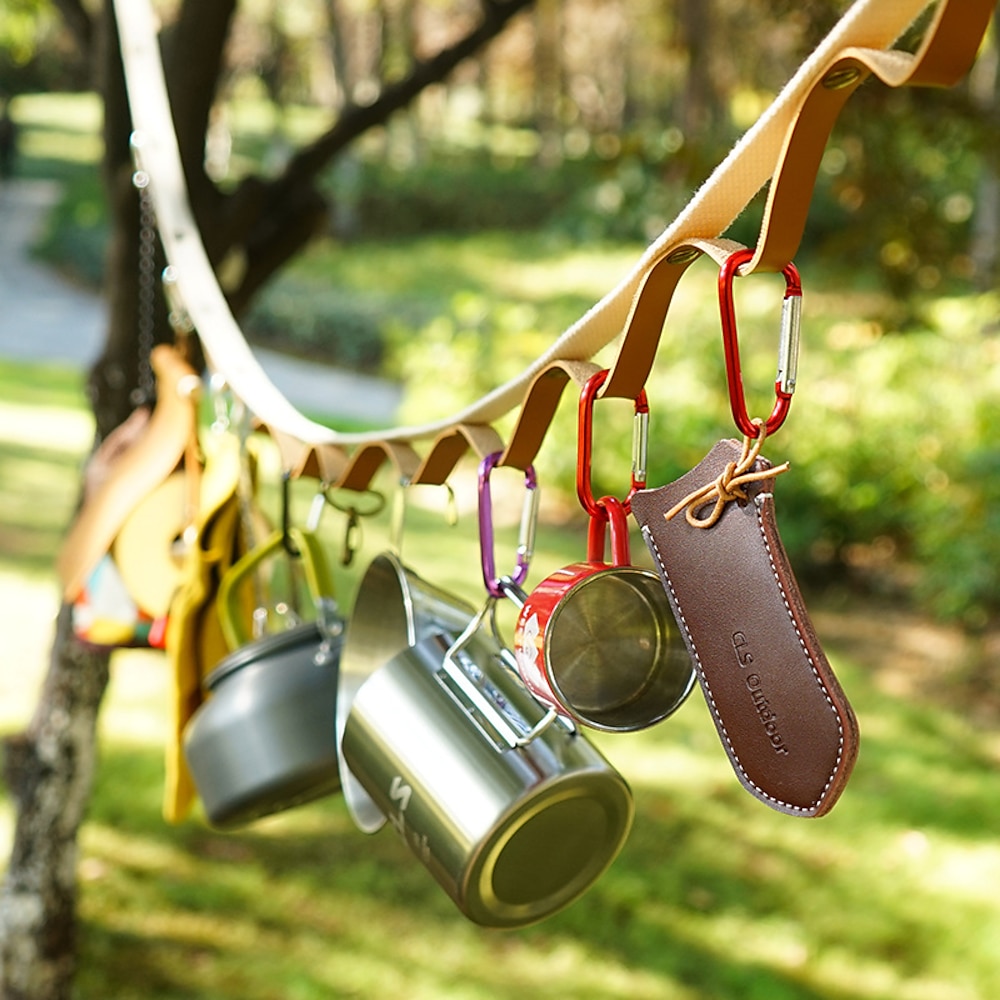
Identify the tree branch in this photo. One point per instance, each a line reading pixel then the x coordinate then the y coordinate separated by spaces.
pixel 200 28
pixel 357 119
pixel 80 23
pixel 292 197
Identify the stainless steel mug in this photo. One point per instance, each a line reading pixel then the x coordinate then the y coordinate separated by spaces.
pixel 509 806
pixel 394 609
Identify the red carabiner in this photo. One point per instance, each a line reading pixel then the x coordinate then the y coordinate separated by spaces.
pixel 610 511
pixel 788 348
pixel 585 446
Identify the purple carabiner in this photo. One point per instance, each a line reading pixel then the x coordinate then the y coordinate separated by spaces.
pixel 526 537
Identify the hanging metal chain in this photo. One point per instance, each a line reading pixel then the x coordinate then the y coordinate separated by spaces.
pixel 145 311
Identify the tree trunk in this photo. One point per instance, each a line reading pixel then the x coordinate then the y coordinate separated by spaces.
pixel 49 770
pixel 549 87
pixel 984 89
pixel 696 100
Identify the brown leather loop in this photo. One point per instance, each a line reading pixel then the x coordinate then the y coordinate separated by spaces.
pixel 330 461
pixel 539 407
pixel 649 311
pixel 791 189
pixel 367 460
pixel 950 44
pixel 449 447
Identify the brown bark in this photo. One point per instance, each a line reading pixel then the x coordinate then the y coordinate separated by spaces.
pixel 49 770
pixel 79 22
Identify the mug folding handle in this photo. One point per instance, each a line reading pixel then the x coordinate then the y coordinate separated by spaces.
pixel 317 573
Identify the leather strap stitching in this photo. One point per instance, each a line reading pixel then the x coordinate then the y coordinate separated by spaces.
pixel 710 698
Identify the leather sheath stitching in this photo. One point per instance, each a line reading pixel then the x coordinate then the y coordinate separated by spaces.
pixel 758 504
pixel 707 687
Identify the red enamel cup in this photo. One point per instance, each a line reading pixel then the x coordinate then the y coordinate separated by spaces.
pixel 598 642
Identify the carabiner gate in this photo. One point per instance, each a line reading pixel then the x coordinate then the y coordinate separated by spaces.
pixel 526 535
pixel 788 346
pixel 585 446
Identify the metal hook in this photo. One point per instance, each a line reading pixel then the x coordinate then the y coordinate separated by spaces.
pixel 352 536
pixel 585 445
pixel 526 535
pixel 355 514
pixel 788 346
pixel 501 723
pixel 286 521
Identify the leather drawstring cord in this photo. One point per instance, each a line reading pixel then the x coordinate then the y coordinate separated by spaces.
pixel 728 485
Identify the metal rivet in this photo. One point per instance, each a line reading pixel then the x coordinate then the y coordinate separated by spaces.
pixel 838 79
pixel 683 255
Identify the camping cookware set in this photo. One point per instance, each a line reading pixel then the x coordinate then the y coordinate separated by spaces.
pixel 418 710
pixel 474 748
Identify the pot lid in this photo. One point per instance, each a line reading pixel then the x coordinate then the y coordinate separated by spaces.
pixel 307 633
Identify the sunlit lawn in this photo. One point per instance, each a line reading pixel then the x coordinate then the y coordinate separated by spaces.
pixel 714 896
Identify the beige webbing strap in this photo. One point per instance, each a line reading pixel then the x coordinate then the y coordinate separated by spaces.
pixel 784 146
pixel 948 48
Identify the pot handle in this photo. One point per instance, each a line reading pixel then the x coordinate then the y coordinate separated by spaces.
pixel 317 573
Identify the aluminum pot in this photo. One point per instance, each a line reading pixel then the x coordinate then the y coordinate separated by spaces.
pixel 509 806
pixel 265 739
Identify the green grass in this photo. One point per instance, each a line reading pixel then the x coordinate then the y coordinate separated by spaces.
pixel 44 430
pixel 714 896
pixel 58 134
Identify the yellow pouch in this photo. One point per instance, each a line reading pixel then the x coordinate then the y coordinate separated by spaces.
pixel 195 641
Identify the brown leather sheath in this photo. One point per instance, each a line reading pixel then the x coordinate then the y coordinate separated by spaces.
pixel 782 716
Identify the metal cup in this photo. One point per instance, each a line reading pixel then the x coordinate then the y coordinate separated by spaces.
pixel 394 609
pixel 510 808
pixel 599 642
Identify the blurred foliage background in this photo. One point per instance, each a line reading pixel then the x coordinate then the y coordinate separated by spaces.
pixel 466 235
pixel 464 238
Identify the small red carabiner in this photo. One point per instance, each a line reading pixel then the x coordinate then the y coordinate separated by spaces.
pixel 788 347
pixel 585 446
pixel 612 511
